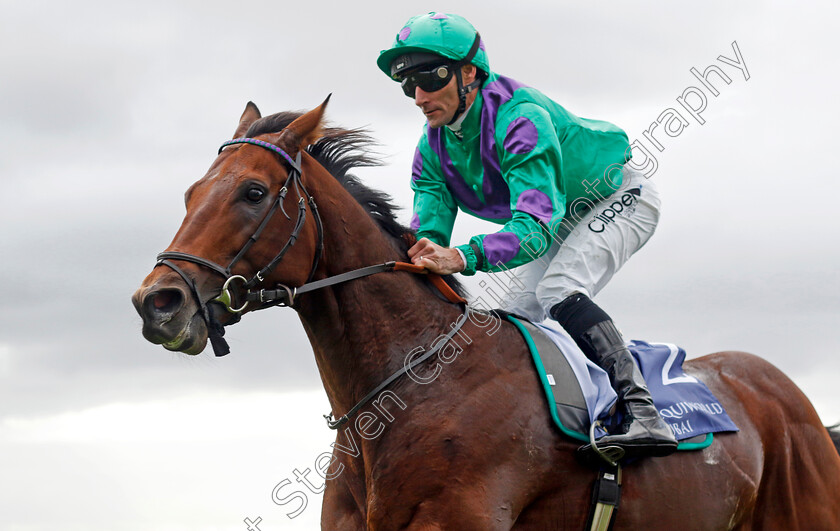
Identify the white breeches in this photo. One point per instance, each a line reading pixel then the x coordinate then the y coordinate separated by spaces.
pixel 585 255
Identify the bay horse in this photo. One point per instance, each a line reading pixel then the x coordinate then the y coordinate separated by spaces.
pixel 463 440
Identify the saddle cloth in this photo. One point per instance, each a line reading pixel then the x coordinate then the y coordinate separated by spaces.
pixel 579 392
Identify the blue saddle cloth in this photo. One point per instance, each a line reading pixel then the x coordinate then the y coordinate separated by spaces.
pixel 579 392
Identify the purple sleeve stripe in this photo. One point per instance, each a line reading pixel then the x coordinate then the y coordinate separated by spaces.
pixel 535 203
pixel 417 166
pixel 500 247
pixel 521 136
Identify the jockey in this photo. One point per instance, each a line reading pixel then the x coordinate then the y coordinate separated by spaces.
pixel 572 212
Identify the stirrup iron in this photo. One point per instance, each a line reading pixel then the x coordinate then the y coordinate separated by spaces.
pixel 610 454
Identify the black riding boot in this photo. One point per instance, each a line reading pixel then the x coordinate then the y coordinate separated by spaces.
pixel 643 432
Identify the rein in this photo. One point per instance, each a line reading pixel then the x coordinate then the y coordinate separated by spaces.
pixel 283 295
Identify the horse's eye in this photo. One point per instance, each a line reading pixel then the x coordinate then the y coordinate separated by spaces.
pixel 255 195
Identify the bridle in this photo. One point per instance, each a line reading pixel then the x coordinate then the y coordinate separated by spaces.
pixel 282 295
pixel 225 298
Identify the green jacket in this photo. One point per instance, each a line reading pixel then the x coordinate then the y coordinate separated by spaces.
pixel 521 161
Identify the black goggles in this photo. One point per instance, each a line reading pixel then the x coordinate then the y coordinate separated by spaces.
pixel 430 80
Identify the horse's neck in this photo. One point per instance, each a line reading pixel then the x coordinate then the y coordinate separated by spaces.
pixel 361 331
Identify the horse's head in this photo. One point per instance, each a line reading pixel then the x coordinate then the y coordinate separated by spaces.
pixel 246 215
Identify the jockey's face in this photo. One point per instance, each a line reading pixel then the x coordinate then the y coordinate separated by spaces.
pixel 441 105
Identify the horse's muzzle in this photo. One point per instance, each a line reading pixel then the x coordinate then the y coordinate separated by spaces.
pixel 170 318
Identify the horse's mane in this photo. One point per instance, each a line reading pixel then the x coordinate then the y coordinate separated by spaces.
pixel 339 151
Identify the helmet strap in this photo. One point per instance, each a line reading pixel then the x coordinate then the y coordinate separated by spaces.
pixel 463 90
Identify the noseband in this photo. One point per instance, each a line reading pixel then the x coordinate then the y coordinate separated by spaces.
pixel 225 298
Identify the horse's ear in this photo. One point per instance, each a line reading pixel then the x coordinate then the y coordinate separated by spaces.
pixel 304 131
pixel 251 115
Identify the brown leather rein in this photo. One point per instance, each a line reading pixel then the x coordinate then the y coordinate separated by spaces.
pixel 285 295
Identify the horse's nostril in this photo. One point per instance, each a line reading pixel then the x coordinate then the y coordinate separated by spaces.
pixel 162 299
pixel 166 301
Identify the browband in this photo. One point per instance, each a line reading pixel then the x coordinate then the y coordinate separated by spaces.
pixel 264 144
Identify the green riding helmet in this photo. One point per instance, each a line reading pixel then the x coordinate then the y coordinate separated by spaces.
pixel 440 34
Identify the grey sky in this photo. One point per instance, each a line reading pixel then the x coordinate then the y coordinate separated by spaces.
pixel 109 111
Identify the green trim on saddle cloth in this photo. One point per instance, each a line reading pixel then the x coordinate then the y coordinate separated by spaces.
pixel 549 393
pixel 694 443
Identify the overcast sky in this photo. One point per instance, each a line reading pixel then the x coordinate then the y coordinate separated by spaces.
pixel 110 110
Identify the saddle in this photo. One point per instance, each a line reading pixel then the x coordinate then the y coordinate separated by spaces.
pixel 582 402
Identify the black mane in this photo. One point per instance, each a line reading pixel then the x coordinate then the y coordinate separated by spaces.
pixel 339 151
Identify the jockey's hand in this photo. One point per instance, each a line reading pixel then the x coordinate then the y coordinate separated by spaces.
pixel 435 258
